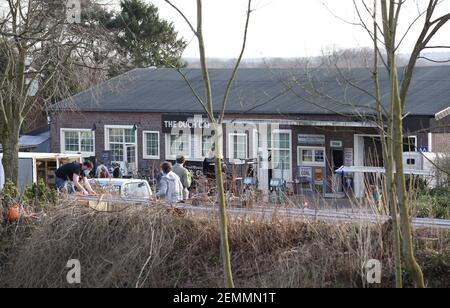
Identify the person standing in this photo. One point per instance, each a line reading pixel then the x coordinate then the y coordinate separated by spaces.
pixel 184 175
pixel 75 173
pixel 170 187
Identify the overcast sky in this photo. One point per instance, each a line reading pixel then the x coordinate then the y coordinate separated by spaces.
pixel 282 28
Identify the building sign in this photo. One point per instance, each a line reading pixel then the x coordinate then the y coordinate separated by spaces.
pixel 311 140
pixel 172 123
pixel 348 157
pixel 336 144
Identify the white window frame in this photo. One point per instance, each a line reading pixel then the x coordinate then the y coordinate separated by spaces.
pixel 273 149
pixel 287 176
pixel 201 144
pixel 107 148
pixel 231 145
pixel 173 157
pixel 144 145
pixel 300 161
pixel 78 130
pixel 416 149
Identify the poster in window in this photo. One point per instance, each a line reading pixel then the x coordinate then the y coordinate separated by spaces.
pixel 106 158
pixel 318 175
pixel 348 157
pixel 305 172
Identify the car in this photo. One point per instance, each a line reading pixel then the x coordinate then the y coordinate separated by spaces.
pixel 128 189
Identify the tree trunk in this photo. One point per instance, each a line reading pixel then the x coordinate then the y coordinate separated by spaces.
pixel 225 246
pixel 390 189
pixel 405 218
pixel 389 185
pixel 10 143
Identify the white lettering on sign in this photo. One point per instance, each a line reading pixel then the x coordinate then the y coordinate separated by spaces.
pixel 187 124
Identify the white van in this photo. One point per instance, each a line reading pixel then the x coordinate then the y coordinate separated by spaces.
pixel 128 189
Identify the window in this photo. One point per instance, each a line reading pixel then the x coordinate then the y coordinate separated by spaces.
pixel 179 144
pixel 311 156
pixel 410 144
pixel 207 144
pixel 136 191
pixel 319 156
pixel 280 144
pixel 121 141
pixel 195 146
pixel 411 162
pixel 151 145
pixel 77 141
pixel 237 146
pixel 33 86
pixel 307 156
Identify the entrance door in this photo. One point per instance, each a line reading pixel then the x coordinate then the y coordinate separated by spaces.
pixel 275 156
pixel 281 150
pixel 130 158
pixel 373 152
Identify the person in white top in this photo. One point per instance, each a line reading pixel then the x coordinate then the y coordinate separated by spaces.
pixel 170 186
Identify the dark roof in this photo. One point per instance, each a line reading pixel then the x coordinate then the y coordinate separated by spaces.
pixel 263 91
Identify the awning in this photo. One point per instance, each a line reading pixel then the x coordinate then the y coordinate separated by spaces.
pixel 379 170
pixel 28 141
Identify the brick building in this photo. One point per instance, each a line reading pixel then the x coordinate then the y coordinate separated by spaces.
pixel 309 124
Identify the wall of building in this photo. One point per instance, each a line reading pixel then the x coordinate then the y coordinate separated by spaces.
pixel 441 135
pixel 86 120
pixel 153 122
pixel 342 134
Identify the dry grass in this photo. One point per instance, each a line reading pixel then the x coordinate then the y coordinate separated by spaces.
pixel 149 247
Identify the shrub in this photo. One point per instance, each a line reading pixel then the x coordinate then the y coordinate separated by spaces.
pixel 40 194
pixel 435 204
pixel 9 194
pixel 148 247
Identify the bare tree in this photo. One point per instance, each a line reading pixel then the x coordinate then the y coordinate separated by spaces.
pixel 386 21
pixel 381 22
pixel 36 41
pixel 207 104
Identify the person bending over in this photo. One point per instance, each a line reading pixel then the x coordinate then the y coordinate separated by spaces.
pixel 75 173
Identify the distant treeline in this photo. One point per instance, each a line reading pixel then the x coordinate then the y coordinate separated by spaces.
pixel 341 58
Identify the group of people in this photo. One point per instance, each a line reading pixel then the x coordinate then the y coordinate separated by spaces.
pixel 173 186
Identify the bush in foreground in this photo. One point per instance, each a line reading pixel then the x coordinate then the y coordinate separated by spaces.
pixel 149 247
pixel 434 204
